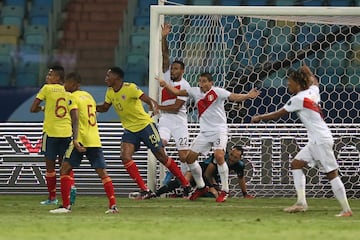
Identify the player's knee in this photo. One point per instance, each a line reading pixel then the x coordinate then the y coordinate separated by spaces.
pixel 297 164
pixel 219 156
pixel 101 172
pixel 333 174
pixel 191 157
pixel 65 168
pixel 125 157
pixel 183 155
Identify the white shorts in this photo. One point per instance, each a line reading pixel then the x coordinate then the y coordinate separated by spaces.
pixel 177 129
pixel 319 155
pixel 205 140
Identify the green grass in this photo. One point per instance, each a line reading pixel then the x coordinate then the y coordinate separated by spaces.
pixel 21 217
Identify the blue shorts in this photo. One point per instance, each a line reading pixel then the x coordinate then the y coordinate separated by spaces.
pixel 149 136
pixel 95 156
pixel 52 147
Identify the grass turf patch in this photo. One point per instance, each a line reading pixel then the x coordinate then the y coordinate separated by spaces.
pixel 22 217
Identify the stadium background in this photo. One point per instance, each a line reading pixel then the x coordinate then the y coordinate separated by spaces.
pixel 85 37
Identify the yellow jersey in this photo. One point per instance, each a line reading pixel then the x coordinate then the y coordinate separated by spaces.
pixel 88 132
pixel 57 122
pixel 129 107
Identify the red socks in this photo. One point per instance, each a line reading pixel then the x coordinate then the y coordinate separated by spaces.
pixel 175 170
pixel 51 184
pixel 109 190
pixel 71 174
pixel 133 171
pixel 65 181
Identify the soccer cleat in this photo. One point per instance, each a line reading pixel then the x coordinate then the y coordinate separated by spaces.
pixel 249 196
pixel 222 196
pixel 73 192
pixel 296 208
pixel 344 214
pixel 134 195
pixel 146 195
pixel 113 209
pixel 49 202
pixel 186 191
pixel 198 193
pixel 61 209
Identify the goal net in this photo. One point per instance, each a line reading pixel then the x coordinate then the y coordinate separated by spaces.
pixel 245 47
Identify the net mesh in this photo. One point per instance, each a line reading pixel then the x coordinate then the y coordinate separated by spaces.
pixel 242 52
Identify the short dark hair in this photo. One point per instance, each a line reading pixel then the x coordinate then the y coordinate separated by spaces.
pixel 238 147
pixel 59 70
pixel 207 75
pixel 118 71
pixel 75 76
pixel 181 63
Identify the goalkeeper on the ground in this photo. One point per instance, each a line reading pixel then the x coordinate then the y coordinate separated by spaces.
pixel 211 177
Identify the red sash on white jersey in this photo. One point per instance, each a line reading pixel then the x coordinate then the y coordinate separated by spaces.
pixel 205 102
pixel 166 95
pixel 310 104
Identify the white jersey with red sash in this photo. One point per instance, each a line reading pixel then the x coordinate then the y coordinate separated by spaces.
pixel 211 109
pixel 167 98
pixel 306 106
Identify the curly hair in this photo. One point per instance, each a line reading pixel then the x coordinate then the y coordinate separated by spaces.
pixel 301 77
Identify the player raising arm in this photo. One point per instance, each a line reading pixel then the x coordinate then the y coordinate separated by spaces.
pixel 173 118
pixel 213 129
pixel 319 150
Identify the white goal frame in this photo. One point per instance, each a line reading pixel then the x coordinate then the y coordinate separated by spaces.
pixel 156 17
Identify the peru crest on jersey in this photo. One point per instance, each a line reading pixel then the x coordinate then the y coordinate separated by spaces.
pixel 206 102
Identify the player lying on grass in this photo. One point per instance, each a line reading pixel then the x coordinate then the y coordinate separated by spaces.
pixel 211 176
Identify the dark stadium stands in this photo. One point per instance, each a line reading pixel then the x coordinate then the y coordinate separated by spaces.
pixel 90 44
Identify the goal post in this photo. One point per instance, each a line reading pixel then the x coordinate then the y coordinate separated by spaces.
pixel 245 47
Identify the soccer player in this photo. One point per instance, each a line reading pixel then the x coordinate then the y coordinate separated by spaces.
pixel 211 175
pixel 319 150
pixel 85 141
pixel 173 118
pixel 56 128
pixel 139 127
pixel 235 164
pixel 213 129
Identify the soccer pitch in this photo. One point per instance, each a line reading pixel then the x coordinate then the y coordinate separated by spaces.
pixel 169 218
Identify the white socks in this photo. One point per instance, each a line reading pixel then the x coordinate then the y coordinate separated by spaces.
pixel 197 174
pixel 300 182
pixel 224 176
pixel 338 188
pixel 184 168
